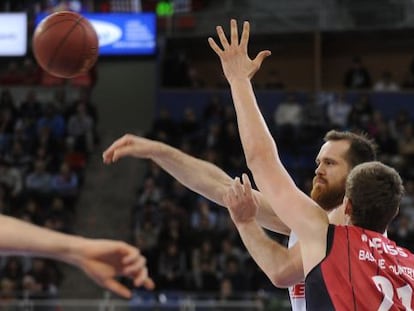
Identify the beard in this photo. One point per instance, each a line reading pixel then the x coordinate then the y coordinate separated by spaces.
pixel 328 196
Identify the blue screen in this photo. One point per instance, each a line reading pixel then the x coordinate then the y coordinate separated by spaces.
pixel 122 33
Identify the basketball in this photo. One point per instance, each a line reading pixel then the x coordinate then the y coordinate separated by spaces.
pixel 65 44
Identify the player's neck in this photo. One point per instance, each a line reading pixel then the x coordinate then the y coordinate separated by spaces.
pixel 337 216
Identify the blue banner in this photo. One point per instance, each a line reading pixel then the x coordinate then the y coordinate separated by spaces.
pixel 123 33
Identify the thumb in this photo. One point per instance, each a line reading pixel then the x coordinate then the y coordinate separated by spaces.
pixel 149 284
pixel 117 288
pixel 261 56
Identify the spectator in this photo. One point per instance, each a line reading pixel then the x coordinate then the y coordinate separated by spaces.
pixel 227 293
pixel 61 213
pixel 30 108
pixel 387 145
pixel 399 123
pixel 361 113
pixel 7 102
pixel 149 232
pixel 204 264
pixel 45 141
pixel 39 181
pixel 13 270
pixel 386 83
pixel 313 120
pixel 74 158
pixel 172 267
pixel 80 128
pixel 7 123
pixel 203 210
pixel 357 77
pixel 338 112
pixel 150 193
pixel 172 231
pixel 213 112
pixel 406 148
pixel 65 183
pixel 19 157
pixel 52 120
pixel 31 73
pixel 11 178
pixel 166 125
pixel 190 124
pixel 288 119
pixel 234 274
pixel 8 290
pixel 228 250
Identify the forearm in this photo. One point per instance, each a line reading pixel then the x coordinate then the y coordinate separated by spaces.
pixel 254 133
pixel 20 238
pixel 198 175
pixel 276 261
pixel 211 182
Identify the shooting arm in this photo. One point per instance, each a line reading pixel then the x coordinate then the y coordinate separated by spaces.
pixel 198 175
pixel 211 182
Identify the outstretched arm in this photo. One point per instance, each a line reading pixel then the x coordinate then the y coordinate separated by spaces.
pixel 281 265
pixel 211 181
pixel 293 207
pixel 101 260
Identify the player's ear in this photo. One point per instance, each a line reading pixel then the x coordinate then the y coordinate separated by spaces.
pixel 347 206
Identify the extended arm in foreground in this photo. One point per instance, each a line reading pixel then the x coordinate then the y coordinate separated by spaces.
pixel 101 260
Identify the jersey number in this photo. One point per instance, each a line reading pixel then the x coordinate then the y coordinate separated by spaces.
pixel 405 293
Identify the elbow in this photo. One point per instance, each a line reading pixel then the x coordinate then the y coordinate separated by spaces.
pixel 254 157
pixel 284 275
pixel 279 281
pixel 258 159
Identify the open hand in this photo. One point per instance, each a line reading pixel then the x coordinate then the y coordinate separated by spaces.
pixel 233 56
pixel 241 202
pixel 129 145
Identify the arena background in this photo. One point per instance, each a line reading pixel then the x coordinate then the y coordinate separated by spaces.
pixel 178 95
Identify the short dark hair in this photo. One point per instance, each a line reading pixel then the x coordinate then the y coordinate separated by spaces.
pixel 361 148
pixel 375 191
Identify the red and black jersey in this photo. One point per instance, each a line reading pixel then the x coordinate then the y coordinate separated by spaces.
pixel 362 270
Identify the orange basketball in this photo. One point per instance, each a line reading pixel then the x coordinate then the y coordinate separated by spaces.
pixel 65 44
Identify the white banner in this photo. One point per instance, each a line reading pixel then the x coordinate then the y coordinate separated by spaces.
pixel 13 34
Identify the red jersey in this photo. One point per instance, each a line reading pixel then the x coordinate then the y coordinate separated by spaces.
pixel 362 270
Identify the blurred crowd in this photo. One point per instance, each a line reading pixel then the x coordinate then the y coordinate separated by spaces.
pixel 44 148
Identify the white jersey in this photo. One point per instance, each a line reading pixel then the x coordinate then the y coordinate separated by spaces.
pixel 296 292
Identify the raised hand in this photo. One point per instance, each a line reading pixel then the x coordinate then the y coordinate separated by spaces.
pixel 233 56
pixel 104 260
pixel 129 145
pixel 241 202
